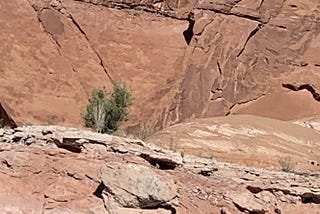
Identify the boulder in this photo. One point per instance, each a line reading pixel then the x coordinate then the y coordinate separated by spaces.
pixel 136 186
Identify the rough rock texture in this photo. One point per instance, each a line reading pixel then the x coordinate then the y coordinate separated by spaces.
pixel 38 177
pixel 74 47
pixel 136 186
pixel 250 140
pixel 5 118
pixel 313 123
pixel 243 56
pixel 53 68
pixel 182 59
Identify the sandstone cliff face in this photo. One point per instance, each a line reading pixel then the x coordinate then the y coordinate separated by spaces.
pixel 182 59
pixel 246 51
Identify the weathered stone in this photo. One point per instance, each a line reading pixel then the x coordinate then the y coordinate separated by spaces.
pixel 137 186
pixel 246 202
pixel 43 178
pixel 250 140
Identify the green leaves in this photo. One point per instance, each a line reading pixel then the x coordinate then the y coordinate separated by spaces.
pixel 105 111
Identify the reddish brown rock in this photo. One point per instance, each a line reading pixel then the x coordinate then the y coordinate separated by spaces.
pixel 245 53
pixel 47 66
pixel 182 59
pixel 41 178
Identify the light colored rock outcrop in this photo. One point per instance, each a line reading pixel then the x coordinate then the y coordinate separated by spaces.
pixel 37 176
pixel 250 140
pixel 182 59
pixel 136 186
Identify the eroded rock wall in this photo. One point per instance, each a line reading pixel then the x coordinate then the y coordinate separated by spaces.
pixel 244 51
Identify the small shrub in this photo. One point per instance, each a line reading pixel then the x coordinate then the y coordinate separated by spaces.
pixel 117 107
pixel 142 132
pixel 29 122
pixel 96 110
pixel 105 111
pixel 286 164
pixel 52 119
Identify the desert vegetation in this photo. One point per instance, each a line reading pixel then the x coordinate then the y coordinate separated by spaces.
pixel 106 110
pixel 287 165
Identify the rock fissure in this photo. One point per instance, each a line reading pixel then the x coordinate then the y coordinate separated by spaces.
pixel 306 197
pixel 164 164
pixel 150 8
pixel 307 87
pixel 251 35
pixel 83 33
pixel 43 27
pixel 188 33
pixel 242 16
pixel 260 5
pixel 219 68
pixel 244 102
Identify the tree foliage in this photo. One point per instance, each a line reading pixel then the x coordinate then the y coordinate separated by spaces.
pixel 106 110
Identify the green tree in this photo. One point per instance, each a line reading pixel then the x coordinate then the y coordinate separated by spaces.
pixel 105 111
pixel 96 110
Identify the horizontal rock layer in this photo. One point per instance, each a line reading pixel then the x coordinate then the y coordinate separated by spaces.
pixel 246 139
pixel 182 59
pixel 65 170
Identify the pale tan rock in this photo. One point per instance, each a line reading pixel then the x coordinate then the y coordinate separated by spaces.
pixel 137 186
pixel 245 139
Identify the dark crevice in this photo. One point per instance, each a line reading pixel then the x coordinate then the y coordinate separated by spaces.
pixel 252 34
pixel 207 173
pixel 188 34
pixel 5 162
pixel 260 5
pixel 5 119
pixel 243 102
pixel 69 145
pixel 308 198
pixel 219 68
pixel 254 190
pixel 307 87
pixel 282 27
pixel 163 164
pixel 99 190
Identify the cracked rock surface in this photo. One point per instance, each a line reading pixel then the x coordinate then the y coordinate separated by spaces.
pixel 249 140
pixel 182 59
pixel 38 175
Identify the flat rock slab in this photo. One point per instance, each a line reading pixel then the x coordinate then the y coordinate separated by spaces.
pixel 137 186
